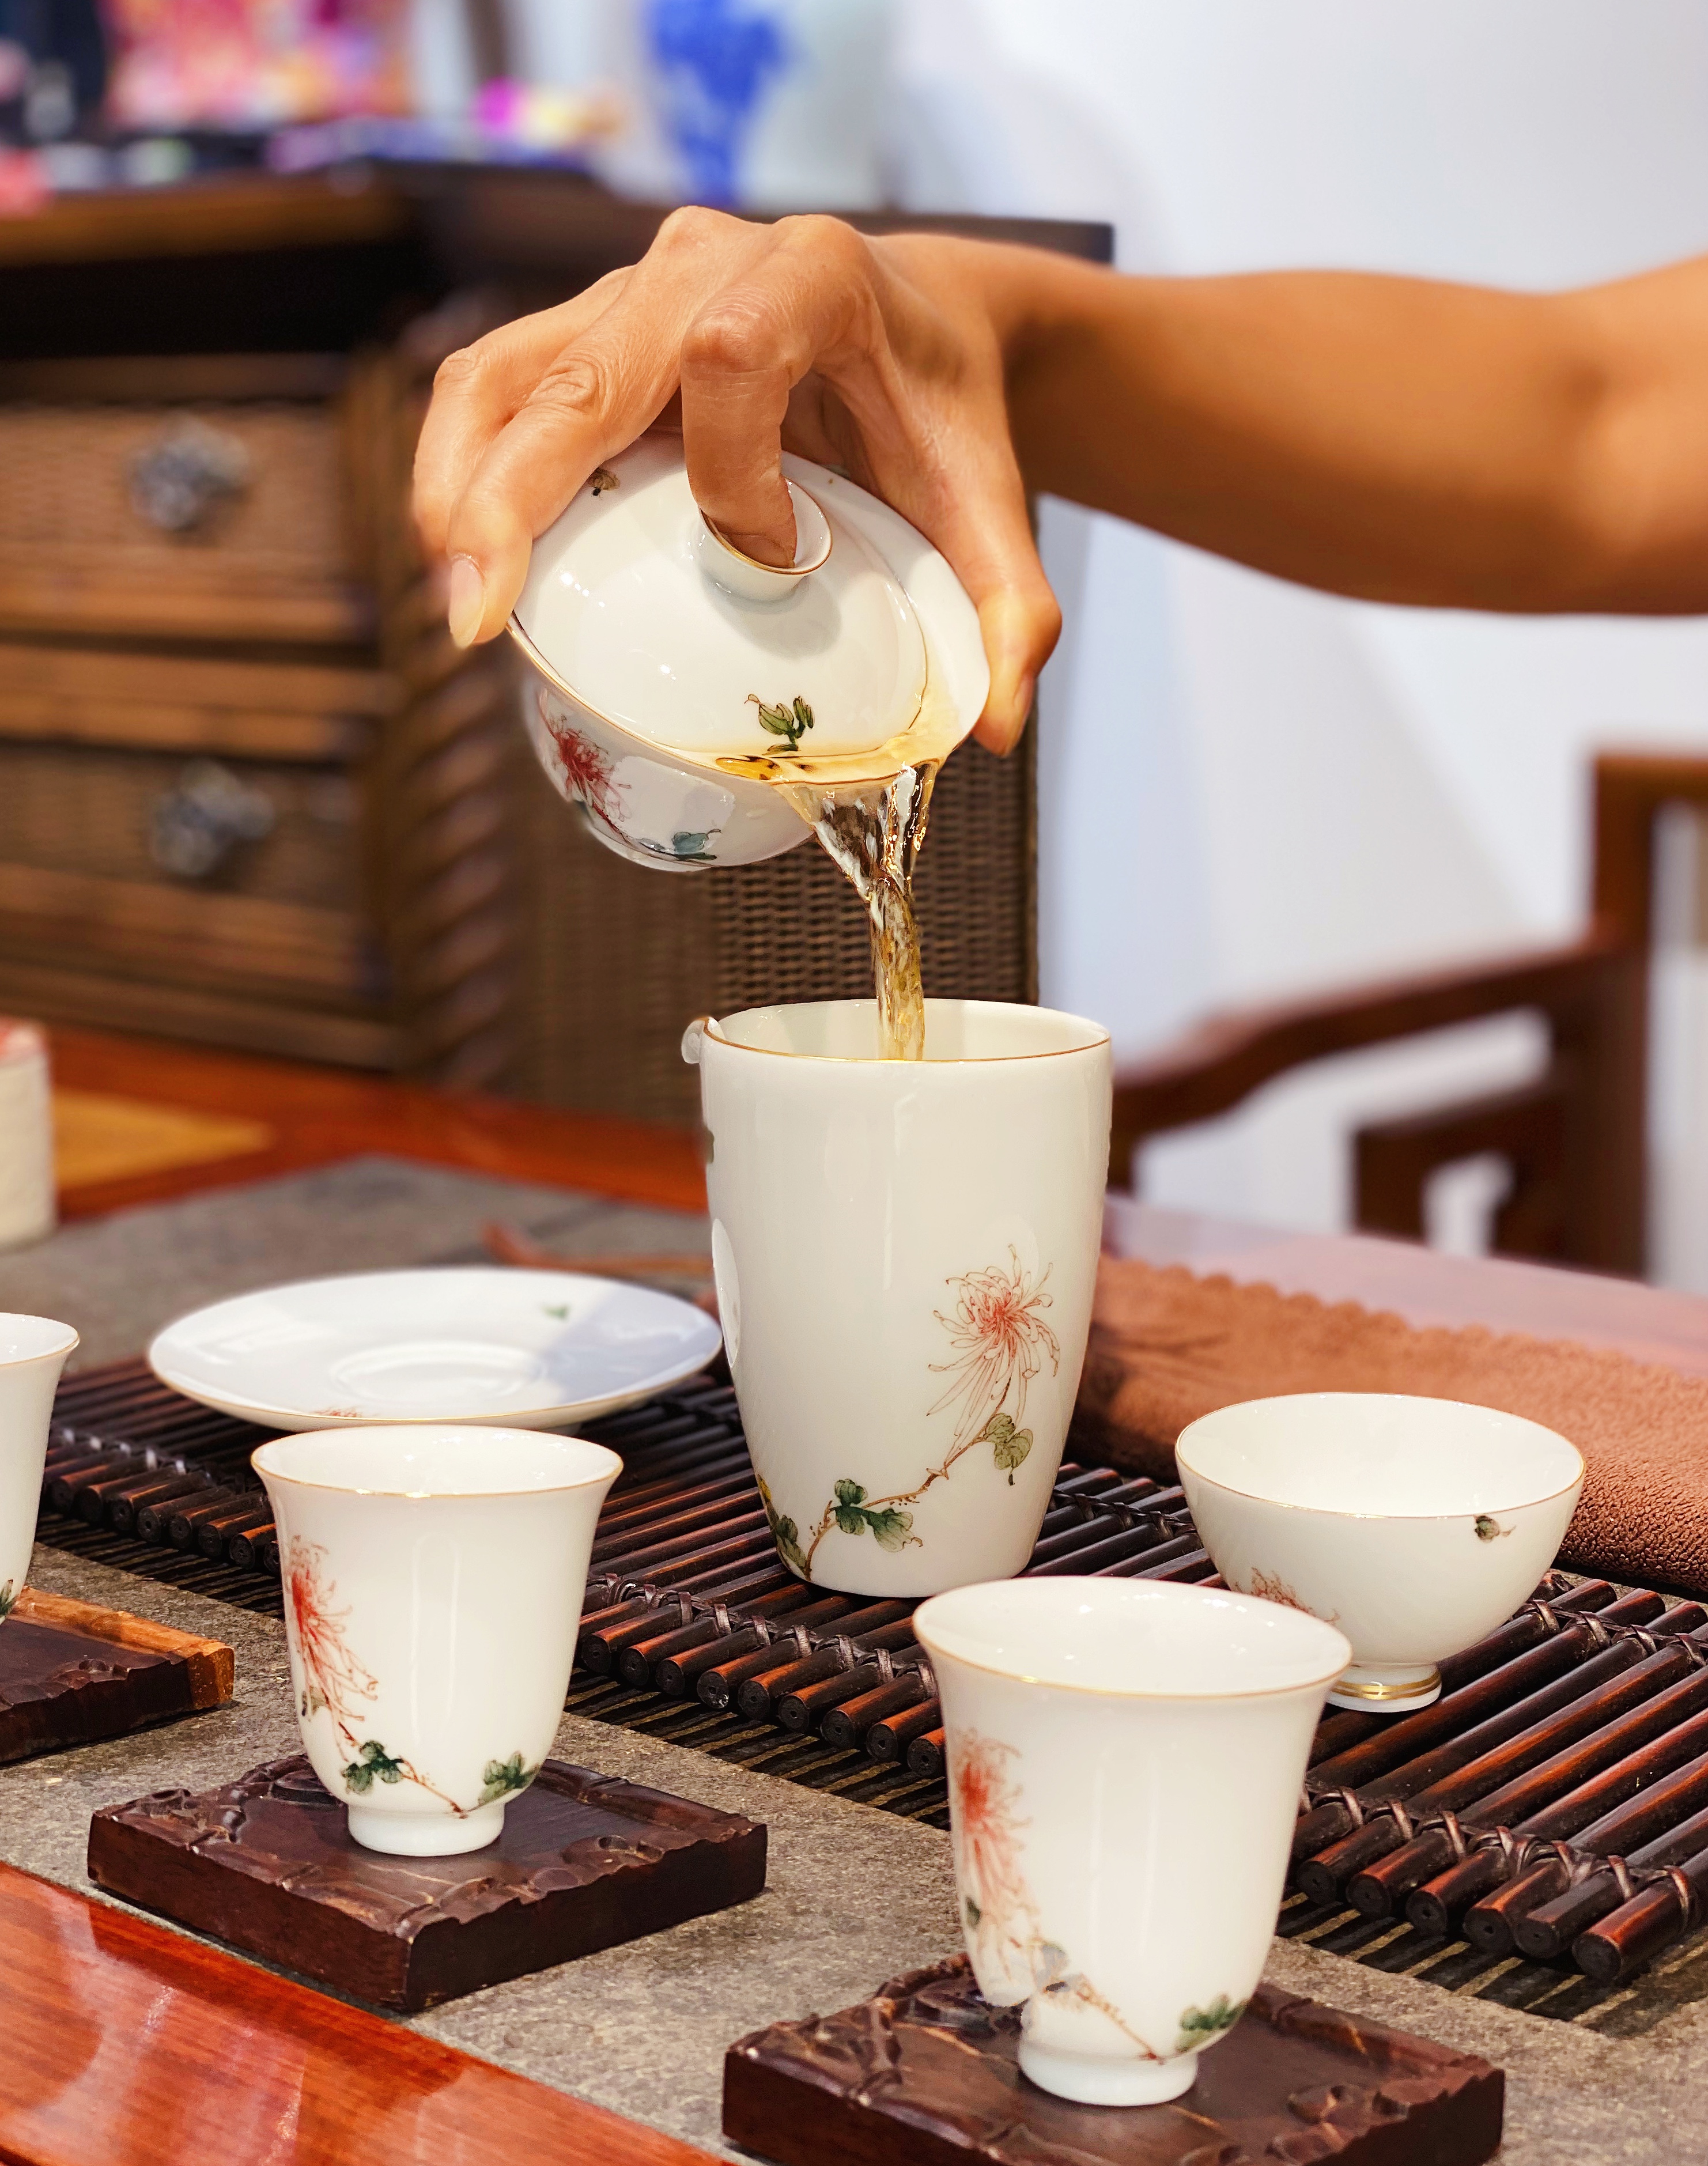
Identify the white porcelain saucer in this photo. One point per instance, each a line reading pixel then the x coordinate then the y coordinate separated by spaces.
pixel 532 1350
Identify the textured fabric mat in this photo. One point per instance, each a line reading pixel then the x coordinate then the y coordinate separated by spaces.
pixel 1166 1347
pixel 118 1279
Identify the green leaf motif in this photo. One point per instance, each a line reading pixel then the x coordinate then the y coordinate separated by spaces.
pixel 1487 1529
pixel 850 1510
pixel 891 1528
pixel 690 844
pixel 1198 2026
pixel 849 1497
pixel 1051 1971
pixel 561 1313
pixel 786 719
pixel 375 1764
pixel 502 1777
pixel 784 1532
pixel 313 1700
pixel 1009 1445
pixel 973 1914
pixel 8 1599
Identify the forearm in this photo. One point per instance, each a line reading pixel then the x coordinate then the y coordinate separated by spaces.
pixel 1382 437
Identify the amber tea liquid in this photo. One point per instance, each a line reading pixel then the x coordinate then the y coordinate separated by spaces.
pixel 870 811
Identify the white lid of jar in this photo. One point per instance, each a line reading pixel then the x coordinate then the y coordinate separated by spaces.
pixel 648 617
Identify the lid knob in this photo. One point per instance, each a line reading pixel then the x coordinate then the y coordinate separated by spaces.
pixel 737 573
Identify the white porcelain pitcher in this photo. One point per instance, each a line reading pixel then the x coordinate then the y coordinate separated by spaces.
pixel 670 672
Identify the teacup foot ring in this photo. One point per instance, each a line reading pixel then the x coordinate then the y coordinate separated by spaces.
pixel 426 1835
pixel 1380 1688
pixel 1091 2082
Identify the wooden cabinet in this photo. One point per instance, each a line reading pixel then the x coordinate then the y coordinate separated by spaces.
pixel 192 696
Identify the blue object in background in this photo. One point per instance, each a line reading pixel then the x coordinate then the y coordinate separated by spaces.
pixel 715 59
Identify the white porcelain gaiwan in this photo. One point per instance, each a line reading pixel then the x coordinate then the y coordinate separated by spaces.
pixel 1414 1525
pixel 657 649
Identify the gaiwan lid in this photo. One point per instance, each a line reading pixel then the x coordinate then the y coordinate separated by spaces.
pixel 637 607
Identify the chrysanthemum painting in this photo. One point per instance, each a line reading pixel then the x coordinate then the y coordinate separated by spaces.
pixel 332 1677
pixel 997 1908
pixel 335 1682
pixel 1000 1341
pixel 588 772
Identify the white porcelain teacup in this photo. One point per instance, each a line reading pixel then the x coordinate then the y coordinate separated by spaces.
pixel 433 1580
pixel 1415 1526
pixel 905 1253
pixel 1125 1764
pixel 33 1351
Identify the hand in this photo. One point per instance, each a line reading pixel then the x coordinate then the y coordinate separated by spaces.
pixel 882 356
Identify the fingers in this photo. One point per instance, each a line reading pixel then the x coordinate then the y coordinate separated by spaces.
pixel 601 389
pixel 1020 630
pixel 805 294
pixel 989 542
pixel 983 530
pixel 478 390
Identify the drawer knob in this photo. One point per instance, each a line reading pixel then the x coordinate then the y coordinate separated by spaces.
pixel 179 481
pixel 195 826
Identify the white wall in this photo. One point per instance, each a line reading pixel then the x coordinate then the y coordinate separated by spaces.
pixel 1249 790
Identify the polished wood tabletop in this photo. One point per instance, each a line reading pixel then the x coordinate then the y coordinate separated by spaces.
pixel 127 2045
pixel 318 1115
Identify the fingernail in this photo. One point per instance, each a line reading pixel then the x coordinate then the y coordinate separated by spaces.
pixel 466 605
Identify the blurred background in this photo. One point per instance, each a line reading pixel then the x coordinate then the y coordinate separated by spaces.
pixel 252 801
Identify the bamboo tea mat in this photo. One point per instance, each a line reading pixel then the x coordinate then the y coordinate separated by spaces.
pixel 1552 1805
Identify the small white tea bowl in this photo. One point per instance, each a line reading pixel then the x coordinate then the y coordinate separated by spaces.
pixel 33 1350
pixel 1125 1764
pixel 1415 1526
pixel 433 1579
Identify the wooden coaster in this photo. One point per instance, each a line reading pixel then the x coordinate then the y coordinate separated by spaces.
pixel 72 1673
pixel 266 1864
pixel 924 2074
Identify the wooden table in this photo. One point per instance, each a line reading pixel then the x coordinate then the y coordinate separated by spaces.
pixel 130 2043
pixel 318 1115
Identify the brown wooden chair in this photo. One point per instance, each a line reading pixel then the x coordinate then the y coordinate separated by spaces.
pixel 1575 1138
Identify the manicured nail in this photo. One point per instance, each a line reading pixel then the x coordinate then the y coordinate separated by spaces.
pixel 466 604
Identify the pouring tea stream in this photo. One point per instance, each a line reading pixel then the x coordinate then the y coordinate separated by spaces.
pixel 702 709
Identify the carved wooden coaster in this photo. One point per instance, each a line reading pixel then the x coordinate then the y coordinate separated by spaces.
pixel 924 2074
pixel 267 1865
pixel 72 1673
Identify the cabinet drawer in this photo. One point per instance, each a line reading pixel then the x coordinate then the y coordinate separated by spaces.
pixel 181 936
pixel 87 543
pixel 90 809
pixel 280 711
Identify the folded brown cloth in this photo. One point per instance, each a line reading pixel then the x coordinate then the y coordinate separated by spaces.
pixel 1166 1347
